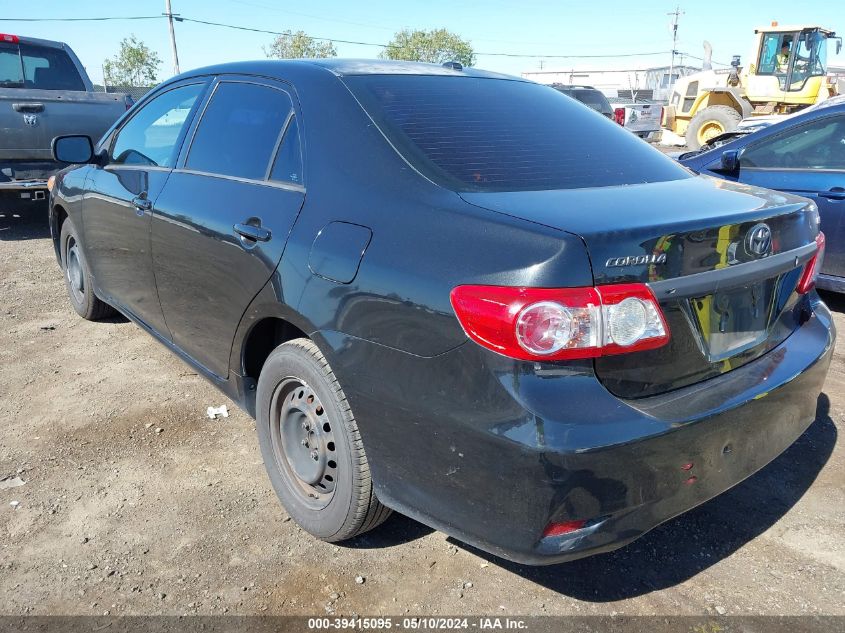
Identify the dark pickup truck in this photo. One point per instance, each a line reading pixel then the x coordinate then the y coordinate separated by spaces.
pixel 44 93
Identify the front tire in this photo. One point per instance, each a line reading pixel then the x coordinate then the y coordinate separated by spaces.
pixel 311 446
pixel 78 277
pixel 709 123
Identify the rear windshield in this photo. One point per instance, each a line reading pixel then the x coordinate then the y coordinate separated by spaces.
pixel 39 67
pixel 592 98
pixel 478 134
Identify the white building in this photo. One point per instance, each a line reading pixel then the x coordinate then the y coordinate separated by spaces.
pixel 644 83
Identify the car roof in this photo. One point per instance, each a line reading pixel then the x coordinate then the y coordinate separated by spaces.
pixel 23 39
pixel 282 68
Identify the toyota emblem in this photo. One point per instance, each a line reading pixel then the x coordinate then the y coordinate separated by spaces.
pixel 758 241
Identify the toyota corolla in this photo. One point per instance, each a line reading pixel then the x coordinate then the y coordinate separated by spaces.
pixel 455 294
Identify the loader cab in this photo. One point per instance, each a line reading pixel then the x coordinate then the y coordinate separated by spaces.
pixel 789 66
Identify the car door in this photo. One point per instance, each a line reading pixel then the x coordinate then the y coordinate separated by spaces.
pixel 221 223
pixel 117 209
pixel 808 160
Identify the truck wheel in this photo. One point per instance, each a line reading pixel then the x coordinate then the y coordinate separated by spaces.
pixel 311 446
pixel 709 123
pixel 78 277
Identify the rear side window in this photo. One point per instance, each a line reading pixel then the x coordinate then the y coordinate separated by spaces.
pixel 239 130
pixel 478 134
pixel 149 138
pixel 11 71
pixel 46 68
pixel 288 164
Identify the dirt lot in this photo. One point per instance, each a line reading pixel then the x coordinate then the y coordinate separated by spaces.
pixel 136 503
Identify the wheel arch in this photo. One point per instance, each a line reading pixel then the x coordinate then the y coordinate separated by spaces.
pixel 58 215
pixel 729 96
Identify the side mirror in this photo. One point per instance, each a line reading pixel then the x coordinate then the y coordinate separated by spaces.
pixel 75 149
pixel 730 161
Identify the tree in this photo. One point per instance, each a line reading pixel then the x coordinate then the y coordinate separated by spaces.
pixel 436 46
pixel 290 45
pixel 134 65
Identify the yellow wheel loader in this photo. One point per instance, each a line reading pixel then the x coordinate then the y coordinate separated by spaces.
pixel 787 72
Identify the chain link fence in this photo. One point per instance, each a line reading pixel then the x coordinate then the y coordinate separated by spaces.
pixel 136 92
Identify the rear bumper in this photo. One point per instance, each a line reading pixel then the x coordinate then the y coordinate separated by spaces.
pixel 832 283
pixel 23 185
pixel 23 195
pixel 494 461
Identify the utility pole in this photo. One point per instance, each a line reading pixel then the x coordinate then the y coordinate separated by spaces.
pixel 676 14
pixel 169 15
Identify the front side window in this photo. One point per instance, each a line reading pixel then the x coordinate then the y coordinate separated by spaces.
pixel 239 130
pixel 149 138
pixel 816 145
pixel 810 59
pixel 479 134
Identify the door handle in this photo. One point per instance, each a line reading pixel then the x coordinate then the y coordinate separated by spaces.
pixel 142 203
pixel 254 233
pixel 837 193
pixel 28 107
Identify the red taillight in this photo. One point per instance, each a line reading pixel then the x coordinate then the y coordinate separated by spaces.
pixel 812 268
pixel 561 323
pixel 9 38
pixel 619 116
pixel 559 529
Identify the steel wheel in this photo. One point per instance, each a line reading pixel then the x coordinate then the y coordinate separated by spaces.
pixel 303 441
pixel 709 130
pixel 75 274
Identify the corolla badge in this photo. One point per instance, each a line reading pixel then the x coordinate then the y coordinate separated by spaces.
pixel 636 260
pixel 758 240
pixel 30 119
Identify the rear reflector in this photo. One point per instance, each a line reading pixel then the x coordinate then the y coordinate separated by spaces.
pixel 559 529
pixel 812 268
pixel 561 323
pixel 9 38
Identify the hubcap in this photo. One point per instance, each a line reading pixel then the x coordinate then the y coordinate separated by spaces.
pixel 303 441
pixel 75 276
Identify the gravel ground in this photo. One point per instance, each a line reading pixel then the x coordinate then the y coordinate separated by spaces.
pixel 136 503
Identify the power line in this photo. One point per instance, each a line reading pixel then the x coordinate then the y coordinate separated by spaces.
pixel 382 45
pixel 327 39
pixel 103 19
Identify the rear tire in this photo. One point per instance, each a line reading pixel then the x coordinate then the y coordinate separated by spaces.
pixel 78 277
pixel 311 446
pixel 710 122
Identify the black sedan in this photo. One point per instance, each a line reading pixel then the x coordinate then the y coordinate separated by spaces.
pixel 455 294
pixel 805 155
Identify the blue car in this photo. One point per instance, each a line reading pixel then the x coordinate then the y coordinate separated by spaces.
pixel 805 155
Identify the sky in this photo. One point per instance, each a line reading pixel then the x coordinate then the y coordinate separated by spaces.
pixel 536 28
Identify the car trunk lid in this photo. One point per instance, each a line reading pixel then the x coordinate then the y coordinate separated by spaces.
pixel 722 259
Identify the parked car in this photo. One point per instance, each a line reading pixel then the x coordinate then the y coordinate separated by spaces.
pixel 805 155
pixel 541 350
pixel 640 117
pixel 589 96
pixel 44 92
pixel 757 123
